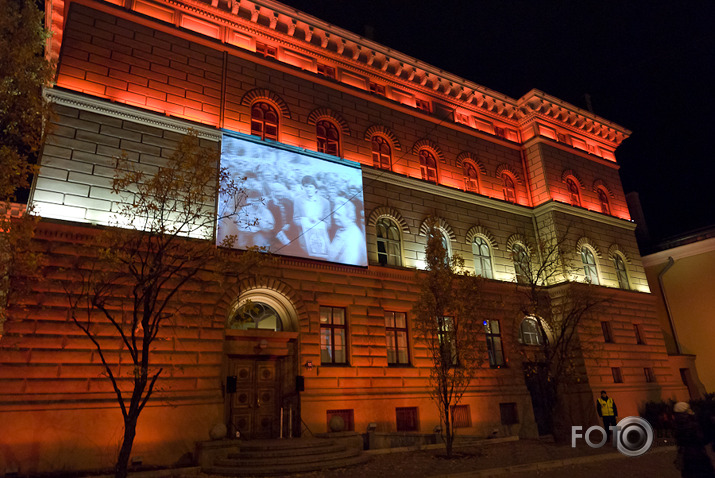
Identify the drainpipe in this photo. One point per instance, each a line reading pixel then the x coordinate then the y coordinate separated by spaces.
pixel 667 306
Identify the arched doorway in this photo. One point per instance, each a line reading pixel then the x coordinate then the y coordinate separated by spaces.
pixel 261 366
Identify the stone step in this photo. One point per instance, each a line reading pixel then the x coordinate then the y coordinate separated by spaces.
pixel 240 461
pixel 274 453
pixel 284 444
pixel 278 469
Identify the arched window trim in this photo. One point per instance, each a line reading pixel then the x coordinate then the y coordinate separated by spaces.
pixel 490 256
pixel 509 187
pixel 264 124
pixel 388 241
pixel 324 144
pixel 622 276
pixel 425 169
pixel 471 184
pixel 447 240
pixel 522 265
pixel 604 200
pixel 390 145
pixel 573 187
pixel 282 305
pixel 535 335
pixel 595 273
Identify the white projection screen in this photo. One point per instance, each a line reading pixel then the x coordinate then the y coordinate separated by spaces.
pixel 298 204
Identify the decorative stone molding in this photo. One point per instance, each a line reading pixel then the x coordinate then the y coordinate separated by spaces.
pixel 431 145
pixel 392 213
pixel 482 231
pixel 466 155
pixel 518 239
pixel 381 130
pixel 568 173
pixel 586 242
pixel 258 94
pixel 614 250
pixel 601 184
pixel 505 168
pixel 326 113
pixel 439 223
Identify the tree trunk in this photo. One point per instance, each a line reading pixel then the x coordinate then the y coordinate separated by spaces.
pixel 130 431
pixel 449 437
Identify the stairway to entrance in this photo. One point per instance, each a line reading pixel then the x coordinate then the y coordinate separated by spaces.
pixel 280 457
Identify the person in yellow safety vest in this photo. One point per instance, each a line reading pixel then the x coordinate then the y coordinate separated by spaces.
pixel 606 408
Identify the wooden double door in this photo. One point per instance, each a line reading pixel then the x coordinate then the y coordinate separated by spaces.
pixel 255 406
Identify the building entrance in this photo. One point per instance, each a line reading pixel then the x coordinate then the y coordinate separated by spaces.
pixel 255 405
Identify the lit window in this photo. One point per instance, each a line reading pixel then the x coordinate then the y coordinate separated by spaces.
pixel 603 199
pixel 381 153
pixel 639 334
pixel 396 338
pixel 326 70
pixel 447 344
pixel 521 264
pixel 443 238
pixel 530 331
pixel 470 177
pixel 333 335
pixel 328 138
pixel 508 187
pixel 424 105
pixel 264 121
pixel 494 344
pixel 482 257
pixel 607 332
pixel 589 266
pixel 617 375
pixel 256 315
pixel 621 271
pixel 266 51
pixel 388 243
pixel 377 89
pixel 574 194
pixel 428 166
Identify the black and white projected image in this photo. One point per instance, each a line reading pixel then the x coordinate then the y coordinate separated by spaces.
pixel 297 205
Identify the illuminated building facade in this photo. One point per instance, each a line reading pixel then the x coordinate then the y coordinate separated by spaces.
pixel 333 334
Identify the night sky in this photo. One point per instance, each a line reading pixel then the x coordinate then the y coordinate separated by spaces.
pixel 648 66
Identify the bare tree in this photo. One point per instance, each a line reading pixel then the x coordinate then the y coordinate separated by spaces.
pixel 162 242
pixel 559 309
pixel 447 319
pixel 24 112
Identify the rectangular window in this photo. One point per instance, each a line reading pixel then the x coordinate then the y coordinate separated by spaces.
pixel 639 334
pixel 266 51
pixel 326 70
pixel 617 376
pixel 607 333
pixel 649 375
pixel 424 105
pixel 396 338
pixel 494 344
pixel 462 416
pixel 508 412
pixel 407 419
pixel 377 89
pixel 333 336
pixel 348 417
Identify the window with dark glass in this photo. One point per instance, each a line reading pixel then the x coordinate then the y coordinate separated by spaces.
pixel 396 337
pixel 589 266
pixel 521 263
pixel 621 271
pixel 381 153
pixel 617 375
pixel 447 344
pixel 424 105
pixel 530 332
pixel 470 177
pixel 388 243
pixel 333 336
pixel 264 121
pixel 328 138
pixel 607 332
pixel 494 343
pixel 482 257
pixel 603 199
pixel 508 188
pixel 407 419
pixel 574 194
pixel 428 166
pixel 639 334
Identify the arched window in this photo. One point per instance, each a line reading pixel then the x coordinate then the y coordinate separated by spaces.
pixel 264 121
pixel 574 194
pixel 256 315
pixel 428 166
pixel 470 177
pixel 328 138
pixel 509 188
pixel 521 263
pixel 530 332
pixel 444 239
pixel 388 243
pixel 381 153
pixel 621 271
pixel 482 257
pixel 589 265
pixel 603 199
